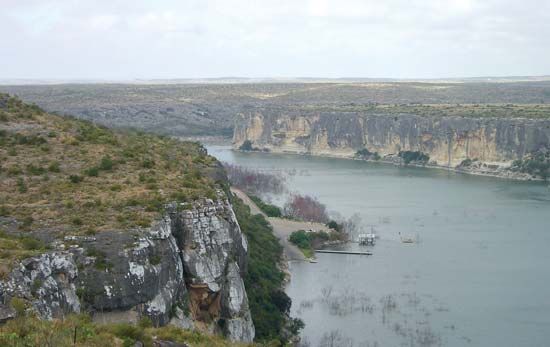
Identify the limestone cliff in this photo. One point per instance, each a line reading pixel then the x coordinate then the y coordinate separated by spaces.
pixel 448 140
pixel 186 270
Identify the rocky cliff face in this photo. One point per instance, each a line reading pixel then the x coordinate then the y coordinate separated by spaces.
pixel 184 270
pixel 447 140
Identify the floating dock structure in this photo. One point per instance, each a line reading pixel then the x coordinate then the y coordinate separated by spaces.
pixel 342 252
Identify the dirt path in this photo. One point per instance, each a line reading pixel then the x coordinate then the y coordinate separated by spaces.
pixel 282 228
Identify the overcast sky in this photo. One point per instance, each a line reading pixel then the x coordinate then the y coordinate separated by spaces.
pixel 127 39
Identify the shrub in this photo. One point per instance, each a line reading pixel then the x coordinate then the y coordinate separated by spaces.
pixel 366 154
pixel 247 146
pixel 307 208
pixel 76 178
pixel 106 163
pixel 31 244
pixel 35 170
pixel 21 186
pixel 254 181
pixel 410 156
pixel 269 210
pixel 148 163
pixel 54 167
pixel 335 225
pixel 92 172
pixel 300 239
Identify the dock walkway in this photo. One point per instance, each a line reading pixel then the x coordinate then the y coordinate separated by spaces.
pixel 342 252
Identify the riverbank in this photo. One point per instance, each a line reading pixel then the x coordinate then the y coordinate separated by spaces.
pixel 282 228
pixel 495 170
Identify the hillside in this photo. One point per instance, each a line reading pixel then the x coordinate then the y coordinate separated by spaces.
pixel 210 109
pixel 61 175
pixel 127 227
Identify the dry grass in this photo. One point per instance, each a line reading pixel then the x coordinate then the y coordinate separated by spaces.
pixel 66 176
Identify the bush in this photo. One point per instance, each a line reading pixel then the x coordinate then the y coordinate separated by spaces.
pixel 106 163
pixel 76 179
pixel 269 210
pixel 92 172
pixel 35 170
pixel 410 156
pixel 247 146
pixel 301 239
pixel 54 167
pixel 31 244
pixel 253 181
pixel 21 185
pixel 335 225
pixel 148 163
pixel 306 208
pixel 366 154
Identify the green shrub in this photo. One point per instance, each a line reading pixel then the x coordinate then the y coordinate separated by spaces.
pixel 92 172
pixel 268 209
pixel 247 146
pixel 31 244
pixel 410 156
pixel 21 185
pixel 106 163
pixel 301 239
pixel 54 167
pixel 148 163
pixel 76 178
pixel 35 170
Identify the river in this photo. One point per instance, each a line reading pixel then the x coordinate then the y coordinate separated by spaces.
pixel 479 274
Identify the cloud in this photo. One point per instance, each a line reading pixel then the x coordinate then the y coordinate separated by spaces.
pixel 207 38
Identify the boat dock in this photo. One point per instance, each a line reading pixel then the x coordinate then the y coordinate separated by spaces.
pixel 342 252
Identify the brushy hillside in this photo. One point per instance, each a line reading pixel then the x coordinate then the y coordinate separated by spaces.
pixel 62 176
pixel 79 330
pixel 209 109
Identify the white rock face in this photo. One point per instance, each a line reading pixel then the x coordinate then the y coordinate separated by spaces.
pixel 48 282
pixel 128 274
pixel 214 253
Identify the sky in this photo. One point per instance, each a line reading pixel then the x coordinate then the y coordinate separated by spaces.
pixel 165 39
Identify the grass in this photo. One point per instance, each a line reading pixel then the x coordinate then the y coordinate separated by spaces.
pixel 90 177
pixel 79 330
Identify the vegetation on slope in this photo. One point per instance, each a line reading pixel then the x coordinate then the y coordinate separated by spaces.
pixel 268 209
pixel 536 164
pixel 61 176
pixel 79 330
pixel 414 156
pixel 530 111
pixel 307 242
pixel 269 304
pixel 209 109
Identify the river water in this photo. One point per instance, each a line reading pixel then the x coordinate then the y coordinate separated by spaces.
pixel 479 274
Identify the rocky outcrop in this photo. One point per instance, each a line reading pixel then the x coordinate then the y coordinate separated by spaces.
pixel 447 140
pixel 184 270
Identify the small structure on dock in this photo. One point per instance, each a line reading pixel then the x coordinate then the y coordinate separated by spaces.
pixel 368 238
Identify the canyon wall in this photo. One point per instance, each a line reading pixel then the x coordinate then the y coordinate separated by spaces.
pixel 447 140
pixel 185 270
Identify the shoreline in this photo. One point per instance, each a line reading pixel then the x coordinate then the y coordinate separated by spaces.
pixel 520 177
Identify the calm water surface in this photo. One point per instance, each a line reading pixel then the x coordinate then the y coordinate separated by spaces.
pixel 479 275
